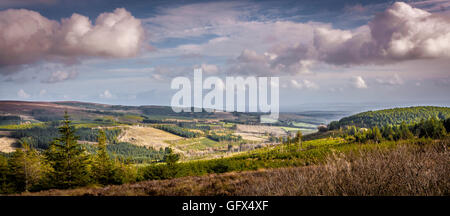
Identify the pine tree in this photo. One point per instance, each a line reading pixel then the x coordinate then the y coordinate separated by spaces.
pixel 405 133
pixel 376 134
pixel 4 183
pixel 298 138
pixel 67 158
pixel 103 168
pixel 171 158
pixel 388 133
pixel 447 125
pixel 171 170
pixel 25 167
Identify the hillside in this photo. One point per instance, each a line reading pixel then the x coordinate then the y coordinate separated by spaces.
pixel 198 148
pixel 336 177
pixel 393 116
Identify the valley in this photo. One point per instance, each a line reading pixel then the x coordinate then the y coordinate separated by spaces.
pixel 150 147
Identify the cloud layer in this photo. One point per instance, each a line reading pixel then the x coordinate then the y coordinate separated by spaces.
pixel 399 33
pixel 27 37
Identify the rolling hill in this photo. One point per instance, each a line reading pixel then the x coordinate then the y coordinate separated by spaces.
pixel 393 116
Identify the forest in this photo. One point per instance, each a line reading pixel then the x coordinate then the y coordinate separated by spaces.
pixel 178 131
pixel 393 116
pixel 66 163
pixel 40 137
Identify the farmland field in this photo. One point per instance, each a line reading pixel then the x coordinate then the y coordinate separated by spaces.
pixel 194 144
pixel 147 136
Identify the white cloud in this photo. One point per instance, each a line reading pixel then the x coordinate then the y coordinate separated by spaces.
pixel 106 95
pixel 394 80
pixel 304 84
pixel 42 92
pixel 399 33
pixel 157 77
pixel 232 22
pixel 196 19
pixel 358 82
pixel 22 94
pixel 28 37
pixel 209 69
pixel 60 76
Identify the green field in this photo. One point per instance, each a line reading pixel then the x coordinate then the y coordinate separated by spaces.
pixel 21 126
pixel 196 144
pixel 305 125
pixel 294 129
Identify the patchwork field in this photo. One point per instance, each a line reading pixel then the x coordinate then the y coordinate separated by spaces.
pixel 147 136
pixel 252 137
pixel 195 144
pixel 303 130
pixel 260 129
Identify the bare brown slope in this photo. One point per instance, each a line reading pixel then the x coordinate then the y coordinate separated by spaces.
pixel 26 107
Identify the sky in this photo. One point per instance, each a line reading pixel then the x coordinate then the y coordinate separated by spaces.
pixel 326 53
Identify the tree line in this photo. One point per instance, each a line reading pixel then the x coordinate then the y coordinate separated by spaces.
pixel 394 116
pixel 223 137
pixel 432 128
pixel 178 131
pixel 65 164
pixel 41 137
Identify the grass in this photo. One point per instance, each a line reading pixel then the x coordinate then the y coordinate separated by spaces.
pixel 133 117
pixel 228 125
pixel 197 144
pixel 414 167
pixel 78 124
pixel 147 136
pixel 21 126
pixel 304 125
pixel 294 129
pixel 312 153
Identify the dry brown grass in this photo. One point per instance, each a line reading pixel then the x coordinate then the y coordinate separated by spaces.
pixel 252 137
pixel 7 144
pixel 259 129
pixel 147 136
pixel 405 170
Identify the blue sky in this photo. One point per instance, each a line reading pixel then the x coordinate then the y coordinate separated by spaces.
pixel 324 52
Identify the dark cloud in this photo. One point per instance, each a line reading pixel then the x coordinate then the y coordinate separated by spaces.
pixel 21 3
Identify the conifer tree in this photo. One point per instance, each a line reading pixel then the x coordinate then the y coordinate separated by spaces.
pixel 4 183
pixel 447 125
pixel 103 168
pixel 388 132
pixel 376 134
pixel 298 138
pixel 67 158
pixel 171 158
pixel 405 133
pixel 25 167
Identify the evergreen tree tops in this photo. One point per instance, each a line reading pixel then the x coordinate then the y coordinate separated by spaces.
pixel 67 158
pixel 431 128
pixel 394 116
